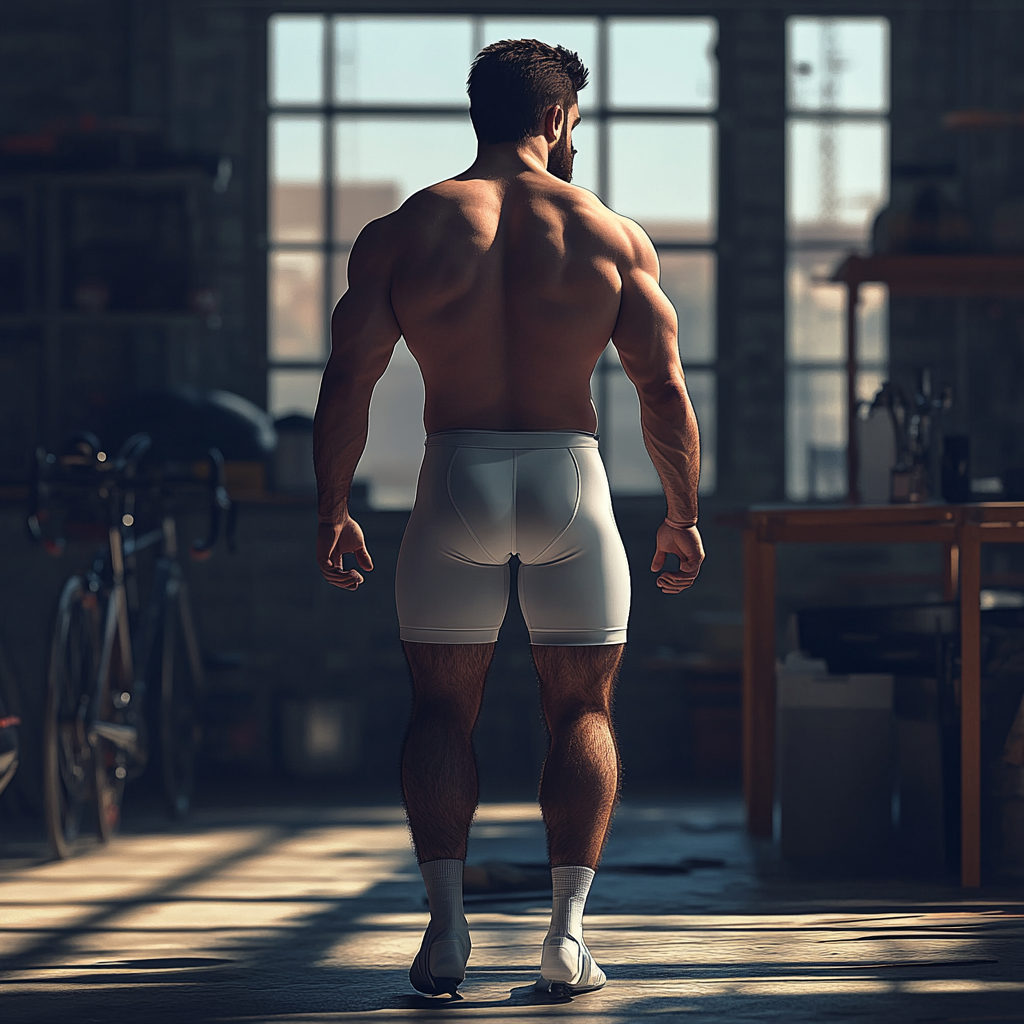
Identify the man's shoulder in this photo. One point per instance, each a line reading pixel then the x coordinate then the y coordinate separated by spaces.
pixel 623 236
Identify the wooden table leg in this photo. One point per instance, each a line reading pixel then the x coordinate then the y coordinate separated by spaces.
pixel 759 682
pixel 950 571
pixel 970 705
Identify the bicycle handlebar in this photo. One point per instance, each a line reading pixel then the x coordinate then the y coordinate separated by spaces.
pixel 219 504
pixel 85 468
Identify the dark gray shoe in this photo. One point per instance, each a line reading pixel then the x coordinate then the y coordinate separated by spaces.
pixel 440 964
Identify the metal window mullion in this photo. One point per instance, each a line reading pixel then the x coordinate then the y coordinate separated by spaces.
pixel 327 126
pixel 796 114
pixel 423 110
pixel 604 364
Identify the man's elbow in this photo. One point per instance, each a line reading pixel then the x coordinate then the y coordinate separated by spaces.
pixel 663 391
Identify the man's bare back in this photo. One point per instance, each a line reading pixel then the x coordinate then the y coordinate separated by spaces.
pixel 507 291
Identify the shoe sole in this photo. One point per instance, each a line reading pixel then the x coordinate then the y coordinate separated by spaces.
pixel 563 990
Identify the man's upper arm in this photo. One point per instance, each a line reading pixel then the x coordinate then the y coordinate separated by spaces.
pixel 364 329
pixel 646 331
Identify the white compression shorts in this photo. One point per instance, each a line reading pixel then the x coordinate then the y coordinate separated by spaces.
pixel 486 495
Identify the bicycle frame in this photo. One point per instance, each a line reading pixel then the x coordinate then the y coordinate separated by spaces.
pixel 136 658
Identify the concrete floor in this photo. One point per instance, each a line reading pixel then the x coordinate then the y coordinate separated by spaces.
pixel 312 915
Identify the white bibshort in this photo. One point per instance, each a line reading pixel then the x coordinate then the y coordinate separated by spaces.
pixel 485 495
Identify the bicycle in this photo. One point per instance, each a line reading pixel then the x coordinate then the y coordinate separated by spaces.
pixel 109 647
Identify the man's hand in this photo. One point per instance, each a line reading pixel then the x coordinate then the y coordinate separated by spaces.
pixel 333 542
pixel 685 543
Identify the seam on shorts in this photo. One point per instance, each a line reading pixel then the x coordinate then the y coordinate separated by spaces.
pixel 458 511
pixel 575 512
pixel 513 532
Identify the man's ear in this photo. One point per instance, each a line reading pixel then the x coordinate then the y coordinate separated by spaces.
pixel 554 123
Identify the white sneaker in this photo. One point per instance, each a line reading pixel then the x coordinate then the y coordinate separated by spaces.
pixel 567 967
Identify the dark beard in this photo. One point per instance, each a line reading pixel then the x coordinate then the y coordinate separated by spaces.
pixel 560 159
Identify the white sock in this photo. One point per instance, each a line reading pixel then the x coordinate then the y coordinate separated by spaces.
pixel 564 957
pixel 443 881
pixel 570 886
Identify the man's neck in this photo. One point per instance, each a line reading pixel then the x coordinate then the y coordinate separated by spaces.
pixel 508 159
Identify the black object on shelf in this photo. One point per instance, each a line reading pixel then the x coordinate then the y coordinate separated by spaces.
pixel 898 640
pixel 956 468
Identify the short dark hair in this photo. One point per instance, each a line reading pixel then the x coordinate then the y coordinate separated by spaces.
pixel 512 83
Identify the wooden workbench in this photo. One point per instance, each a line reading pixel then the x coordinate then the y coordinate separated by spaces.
pixel 961 530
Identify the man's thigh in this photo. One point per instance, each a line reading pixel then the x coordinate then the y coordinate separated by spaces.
pixel 580 594
pixel 447 600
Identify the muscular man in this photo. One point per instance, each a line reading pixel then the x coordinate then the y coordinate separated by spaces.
pixel 506 282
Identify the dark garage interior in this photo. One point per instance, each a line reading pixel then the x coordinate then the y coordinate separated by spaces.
pixel 822 740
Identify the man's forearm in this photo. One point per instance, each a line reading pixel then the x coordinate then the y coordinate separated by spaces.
pixel 673 442
pixel 339 437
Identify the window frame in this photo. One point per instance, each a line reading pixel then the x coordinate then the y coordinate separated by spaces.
pixel 805 366
pixel 601 113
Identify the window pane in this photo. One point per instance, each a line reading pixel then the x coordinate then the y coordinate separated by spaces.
pixel 394 444
pixel 816 329
pixel 296 306
pixel 688 279
pixel 379 163
pixel 838 178
pixel 630 470
pixel 662 175
pixel 296 179
pixel 402 60
pixel 293 391
pixel 815 434
pixel 296 59
pixel 339 276
pixel 701 385
pixel 576 34
pixel 873 324
pixel 838 63
pixel 663 62
pixel 816 310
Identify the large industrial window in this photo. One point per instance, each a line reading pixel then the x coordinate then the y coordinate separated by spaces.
pixel 360 118
pixel 837 180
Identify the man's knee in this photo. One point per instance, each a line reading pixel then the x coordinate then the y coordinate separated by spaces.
pixel 444 709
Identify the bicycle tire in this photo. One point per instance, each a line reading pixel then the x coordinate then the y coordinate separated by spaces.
pixel 181 691
pixel 68 759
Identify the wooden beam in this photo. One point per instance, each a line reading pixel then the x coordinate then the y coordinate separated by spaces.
pixel 933 533
pixel 970 706
pixel 950 571
pixel 945 276
pixel 852 447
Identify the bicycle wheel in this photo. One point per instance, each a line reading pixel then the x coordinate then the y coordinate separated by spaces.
pixel 68 762
pixel 181 691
